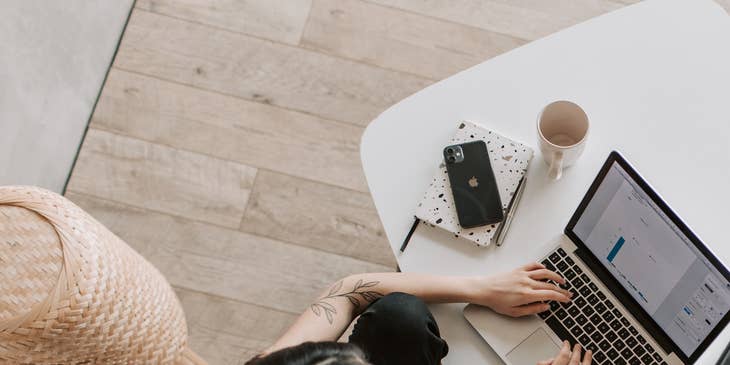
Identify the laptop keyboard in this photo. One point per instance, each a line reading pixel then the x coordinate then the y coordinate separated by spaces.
pixel 592 320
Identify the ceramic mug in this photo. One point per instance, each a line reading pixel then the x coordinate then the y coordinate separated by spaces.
pixel 562 127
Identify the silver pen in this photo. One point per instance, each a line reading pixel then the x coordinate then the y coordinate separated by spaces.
pixel 511 208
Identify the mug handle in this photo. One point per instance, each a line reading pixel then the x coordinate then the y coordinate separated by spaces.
pixel 556 166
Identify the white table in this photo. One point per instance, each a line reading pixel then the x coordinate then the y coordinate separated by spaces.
pixel 654 79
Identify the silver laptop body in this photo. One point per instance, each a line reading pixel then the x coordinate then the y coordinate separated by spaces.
pixel 646 289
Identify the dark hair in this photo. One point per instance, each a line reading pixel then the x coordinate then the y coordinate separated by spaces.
pixel 314 353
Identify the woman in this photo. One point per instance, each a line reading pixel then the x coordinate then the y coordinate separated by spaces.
pixel 395 325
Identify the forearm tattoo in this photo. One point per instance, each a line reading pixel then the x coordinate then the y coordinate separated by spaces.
pixel 360 296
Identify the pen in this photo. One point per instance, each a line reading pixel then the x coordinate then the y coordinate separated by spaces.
pixel 510 213
pixel 410 233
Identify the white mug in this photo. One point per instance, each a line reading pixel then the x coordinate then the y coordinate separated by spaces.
pixel 562 127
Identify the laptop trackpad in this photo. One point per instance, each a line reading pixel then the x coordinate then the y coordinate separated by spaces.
pixel 535 348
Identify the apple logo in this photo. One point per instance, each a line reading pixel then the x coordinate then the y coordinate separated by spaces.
pixel 473 182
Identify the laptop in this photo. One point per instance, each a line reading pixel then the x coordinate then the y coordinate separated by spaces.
pixel 645 289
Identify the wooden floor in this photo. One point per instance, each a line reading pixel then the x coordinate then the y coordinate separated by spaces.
pixel 225 144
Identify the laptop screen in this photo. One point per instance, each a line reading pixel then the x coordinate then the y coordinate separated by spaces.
pixel 653 259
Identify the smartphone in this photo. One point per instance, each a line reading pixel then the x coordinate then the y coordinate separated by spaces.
pixel 476 195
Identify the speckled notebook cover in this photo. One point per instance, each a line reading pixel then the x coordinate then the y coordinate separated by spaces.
pixel 509 161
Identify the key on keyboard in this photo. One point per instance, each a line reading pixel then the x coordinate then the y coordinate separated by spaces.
pixel 592 320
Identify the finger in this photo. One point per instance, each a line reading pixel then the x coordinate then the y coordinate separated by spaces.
pixel 527 309
pixel 588 358
pixel 564 354
pixel 542 295
pixel 548 286
pixel 542 274
pixel 532 266
pixel 545 362
pixel 575 357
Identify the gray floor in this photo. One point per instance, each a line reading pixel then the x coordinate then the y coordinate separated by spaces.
pixel 54 57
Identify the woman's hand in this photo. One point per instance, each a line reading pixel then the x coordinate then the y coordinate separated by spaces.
pixel 520 292
pixel 566 357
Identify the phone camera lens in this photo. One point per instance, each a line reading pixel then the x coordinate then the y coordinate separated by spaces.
pixel 449 150
pixel 452 159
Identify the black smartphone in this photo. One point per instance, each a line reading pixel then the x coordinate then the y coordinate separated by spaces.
pixel 476 195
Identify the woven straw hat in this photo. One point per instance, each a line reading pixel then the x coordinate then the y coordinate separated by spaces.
pixel 71 292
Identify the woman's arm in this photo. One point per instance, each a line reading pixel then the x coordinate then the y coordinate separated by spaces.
pixel 515 293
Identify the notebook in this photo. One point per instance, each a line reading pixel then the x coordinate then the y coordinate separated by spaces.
pixel 509 160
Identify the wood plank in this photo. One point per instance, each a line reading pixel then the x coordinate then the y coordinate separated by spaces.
pixel 525 19
pixel 259 70
pixel 400 40
pixel 231 128
pixel 161 178
pixel 220 348
pixel 316 215
pixel 278 20
pixel 225 262
pixel 224 331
